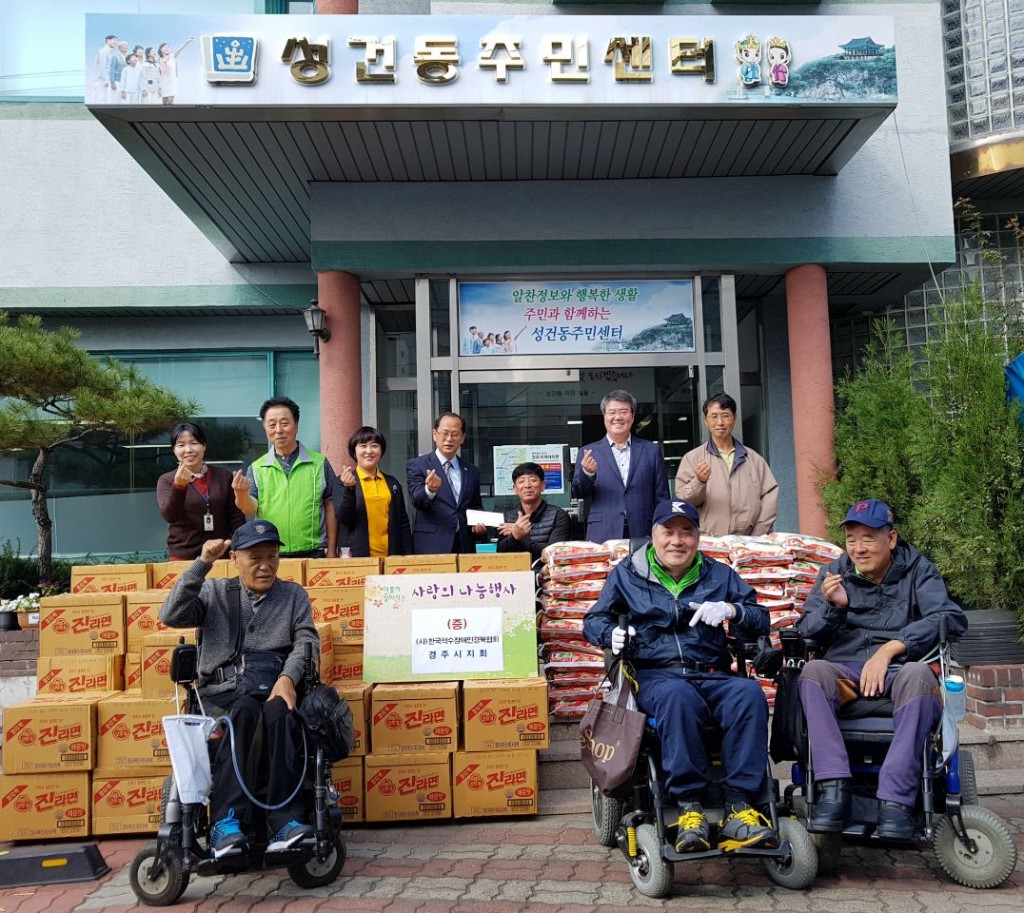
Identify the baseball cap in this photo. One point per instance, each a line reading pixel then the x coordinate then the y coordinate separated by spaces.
pixel 875 514
pixel 670 510
pixel 255 532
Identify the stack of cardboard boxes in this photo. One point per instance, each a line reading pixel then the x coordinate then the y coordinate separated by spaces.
pixel 88 755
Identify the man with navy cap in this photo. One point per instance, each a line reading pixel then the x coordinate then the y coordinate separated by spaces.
pixel 238 617
pixel 676 600
pixel 875 613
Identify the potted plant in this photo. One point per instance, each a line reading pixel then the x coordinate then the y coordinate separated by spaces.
pixel 19 612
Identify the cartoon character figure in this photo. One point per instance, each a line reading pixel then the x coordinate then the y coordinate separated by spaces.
pixel 748 53
pixel 779 55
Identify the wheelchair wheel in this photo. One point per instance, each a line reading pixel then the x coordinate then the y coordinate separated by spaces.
pixel 996 855
pixel 651 872
pixel 800 868
pixel 317 872
pixel 164 886
pixel 968 780
pixel 829 848
pixel 607 815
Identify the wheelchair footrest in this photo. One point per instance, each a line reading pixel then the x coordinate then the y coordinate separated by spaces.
pixel 670 854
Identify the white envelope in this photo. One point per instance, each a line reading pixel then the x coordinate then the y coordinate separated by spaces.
pixel 486 517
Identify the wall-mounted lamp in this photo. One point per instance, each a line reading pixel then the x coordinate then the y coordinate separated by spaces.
pixel 315 316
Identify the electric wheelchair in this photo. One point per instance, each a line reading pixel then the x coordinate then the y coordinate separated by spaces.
pixel 640 820
pixel 973 845
pixel 161 870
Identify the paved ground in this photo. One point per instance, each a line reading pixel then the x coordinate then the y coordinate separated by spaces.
pixel 548 864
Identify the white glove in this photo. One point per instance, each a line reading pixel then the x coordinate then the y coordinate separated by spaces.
pixel 619 639
pixel 711 613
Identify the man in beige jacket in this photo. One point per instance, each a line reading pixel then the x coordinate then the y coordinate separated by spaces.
pixel 731 485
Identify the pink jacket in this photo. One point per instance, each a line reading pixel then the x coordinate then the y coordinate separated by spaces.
pixel 745 502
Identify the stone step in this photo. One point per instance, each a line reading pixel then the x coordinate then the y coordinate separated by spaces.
pixel 559 767
pixel 564 801
pixel 994 749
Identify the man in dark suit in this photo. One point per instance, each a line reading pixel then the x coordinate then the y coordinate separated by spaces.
pixel 443 487
pixel 622 477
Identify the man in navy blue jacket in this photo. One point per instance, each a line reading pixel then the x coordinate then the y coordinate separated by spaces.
pixel 621 477
pixel 443 486
pixel 676 600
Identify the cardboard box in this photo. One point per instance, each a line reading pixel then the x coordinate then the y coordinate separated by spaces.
pixel 343 606
pixel 358 696
pixel 408 788
pixel 164 574
pixel 347 777
pixel 52 733
pixel 420 564
pixel 293 569
pixel 130 732
pixel 326 632
pixel 141 611
pixel 494 783
pixel 44 806
pixel 499 561
pixel 503 714
pixel 157 650
pixel 109 578
pixel 422 716
pixel 75 674
pixel 127 802
pixel 339 572
pixel 93 624
pixel 133 672
pixel 348 663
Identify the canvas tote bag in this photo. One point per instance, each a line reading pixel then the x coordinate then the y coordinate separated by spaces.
pixel 610 734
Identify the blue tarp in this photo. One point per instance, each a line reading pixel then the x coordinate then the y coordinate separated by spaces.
pixel 1015 380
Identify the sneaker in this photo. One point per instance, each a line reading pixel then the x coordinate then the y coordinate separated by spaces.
pixel 226 837
pixel 895 821
pixel 746 827
pixel 693 835
pixel 289 836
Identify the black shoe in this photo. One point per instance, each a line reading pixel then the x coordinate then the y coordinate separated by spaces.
pixel 832 810
pixel 895 821
pixel 692 831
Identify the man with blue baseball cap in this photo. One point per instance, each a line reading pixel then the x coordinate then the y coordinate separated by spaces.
pixel 676 600
pixel 875 613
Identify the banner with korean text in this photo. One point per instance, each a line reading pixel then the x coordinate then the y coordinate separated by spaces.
pixel 563 318
pixel 427 627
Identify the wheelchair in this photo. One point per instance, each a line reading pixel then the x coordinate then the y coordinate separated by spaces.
pixel 161 870
pixel 972 844
pixel 640 820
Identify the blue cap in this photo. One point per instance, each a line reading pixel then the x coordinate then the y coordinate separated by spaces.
pixel 671 510
pixel 255 532
pixel 875 514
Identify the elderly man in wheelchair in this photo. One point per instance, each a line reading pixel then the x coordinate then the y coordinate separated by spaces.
pixel 676 601
pixel 875 614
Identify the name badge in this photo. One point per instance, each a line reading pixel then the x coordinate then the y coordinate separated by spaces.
pixel 207 522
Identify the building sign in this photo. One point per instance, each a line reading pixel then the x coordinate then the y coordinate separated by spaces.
pixel 550 458
pixel 437 627
pixel 488 60
pixel 562 318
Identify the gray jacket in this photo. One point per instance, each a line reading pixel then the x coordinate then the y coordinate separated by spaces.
pixel 283 623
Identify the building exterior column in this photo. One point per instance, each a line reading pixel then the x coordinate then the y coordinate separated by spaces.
pixel 810 367
pixel 336 7
pixel 341 369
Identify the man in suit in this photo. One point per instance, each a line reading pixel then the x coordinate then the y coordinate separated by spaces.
pixel 621 476
pixel 443 487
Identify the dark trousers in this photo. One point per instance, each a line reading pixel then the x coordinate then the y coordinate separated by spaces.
pixel 914 690
pixel 683 704
pixel 280 762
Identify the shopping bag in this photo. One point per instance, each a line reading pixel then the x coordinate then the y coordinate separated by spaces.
pixel 788 726
pixel 610 735
pixel 187 736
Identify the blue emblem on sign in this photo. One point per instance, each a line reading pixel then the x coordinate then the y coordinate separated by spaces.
pixel 230 59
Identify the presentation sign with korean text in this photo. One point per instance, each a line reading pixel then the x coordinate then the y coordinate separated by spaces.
pixel 563 318
pixel 438 627
pixel 378 60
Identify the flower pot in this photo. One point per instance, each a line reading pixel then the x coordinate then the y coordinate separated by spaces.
pixel 9 621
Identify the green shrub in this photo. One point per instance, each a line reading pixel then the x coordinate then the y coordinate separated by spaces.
pixel 20 576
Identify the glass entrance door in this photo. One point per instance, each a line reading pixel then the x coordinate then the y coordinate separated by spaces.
pixel 512 416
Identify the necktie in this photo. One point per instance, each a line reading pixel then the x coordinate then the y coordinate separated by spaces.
pixel 453 478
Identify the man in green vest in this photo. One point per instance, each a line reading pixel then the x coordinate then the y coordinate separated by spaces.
pixel 291 486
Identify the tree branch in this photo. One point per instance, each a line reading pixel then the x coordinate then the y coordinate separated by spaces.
pixel 31 486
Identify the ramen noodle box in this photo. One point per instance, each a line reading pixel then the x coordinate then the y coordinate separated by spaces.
pixel 92 624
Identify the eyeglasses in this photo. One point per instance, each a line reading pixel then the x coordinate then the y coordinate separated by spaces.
pixel 448 435
pixel 615 413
